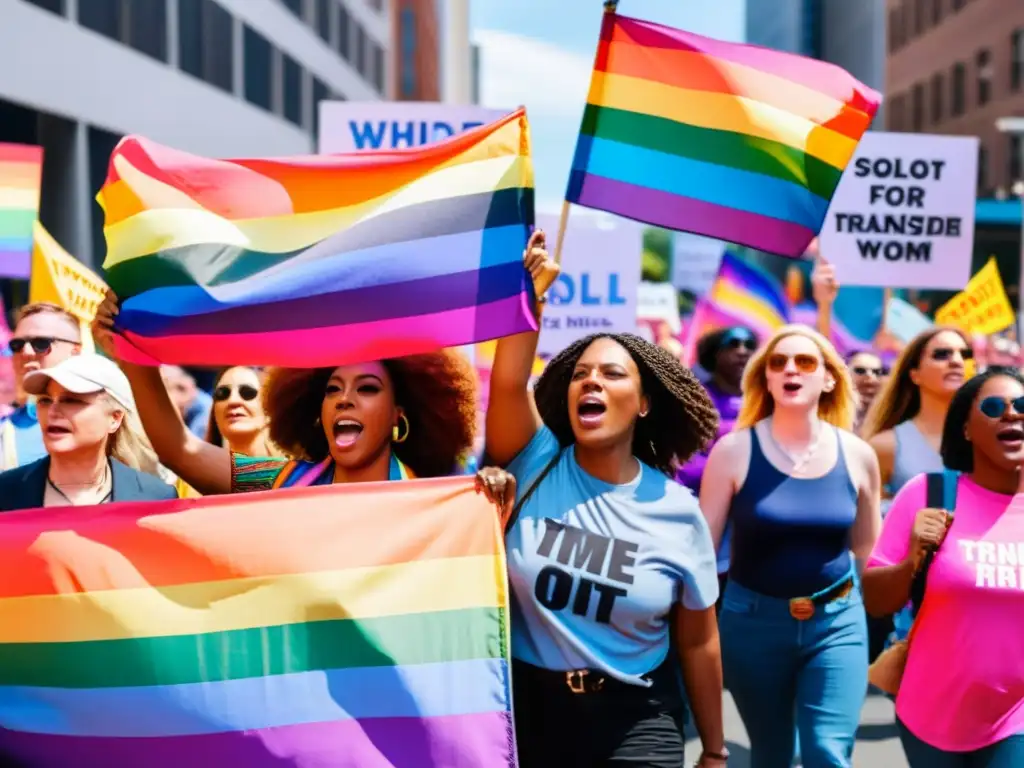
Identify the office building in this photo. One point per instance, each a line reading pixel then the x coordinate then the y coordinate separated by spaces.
pixel 955 67
pixel 416 47
pixel 456 54
pixel 222 78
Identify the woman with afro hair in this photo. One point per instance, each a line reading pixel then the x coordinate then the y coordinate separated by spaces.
pixel 376 421
pixel 611 564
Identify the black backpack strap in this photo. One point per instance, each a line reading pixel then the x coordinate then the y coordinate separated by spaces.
pixel 941 494
pixel 514 514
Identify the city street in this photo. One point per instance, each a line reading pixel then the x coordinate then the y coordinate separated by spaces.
pixel 877 743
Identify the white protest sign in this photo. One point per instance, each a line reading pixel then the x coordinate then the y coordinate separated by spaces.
pixel 695 262
pixel 659 301
pixel 351 126
pixel 904 320
pixel 597 288
pixel 903 213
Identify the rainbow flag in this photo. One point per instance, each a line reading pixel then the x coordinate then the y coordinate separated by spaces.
pixel 319 261
pixel 356 626
pixel 736 142
pixel 21 176
pixel 743 295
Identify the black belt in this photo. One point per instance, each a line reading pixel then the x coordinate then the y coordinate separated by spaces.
pixel 802 608
pixel 578 681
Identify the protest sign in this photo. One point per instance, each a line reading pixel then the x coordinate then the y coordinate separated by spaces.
pixel 903 214
pixel 351 126
pixel 597 289
pixel 904 321
pixel 982 307
pixel 659 302
pixel 60 278
pixel 695 261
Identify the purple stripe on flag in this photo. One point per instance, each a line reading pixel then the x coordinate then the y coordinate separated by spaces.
pixel 664 209
pixel 468 741
pixel 16 263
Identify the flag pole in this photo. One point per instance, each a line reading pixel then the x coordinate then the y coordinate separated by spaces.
pixel 563 220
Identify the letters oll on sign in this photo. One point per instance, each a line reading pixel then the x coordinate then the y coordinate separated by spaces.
pixel 903 213
pixel 347 126
pixel 597 289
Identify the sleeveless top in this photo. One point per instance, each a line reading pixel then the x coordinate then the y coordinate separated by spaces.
pixel 791 536
pixel 914 456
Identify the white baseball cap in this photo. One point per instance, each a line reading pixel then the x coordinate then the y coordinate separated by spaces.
pixel 84 374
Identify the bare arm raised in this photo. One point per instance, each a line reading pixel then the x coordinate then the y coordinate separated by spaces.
pixel 205 467
pixel 512 417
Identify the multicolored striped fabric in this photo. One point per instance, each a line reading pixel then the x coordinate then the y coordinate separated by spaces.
pixel 346 626
pixel 21 176
pixel 736 142
pixel 319 261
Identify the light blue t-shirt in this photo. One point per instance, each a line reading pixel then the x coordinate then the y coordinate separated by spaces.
pixel 596 568
pixel 28 437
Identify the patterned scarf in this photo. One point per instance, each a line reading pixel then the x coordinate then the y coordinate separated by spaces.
pixel 301 474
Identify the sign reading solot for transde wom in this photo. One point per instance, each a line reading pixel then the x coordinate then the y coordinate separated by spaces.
pixel 903 213
pixel 353 126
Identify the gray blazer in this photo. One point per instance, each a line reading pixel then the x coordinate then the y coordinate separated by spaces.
pixel 23 487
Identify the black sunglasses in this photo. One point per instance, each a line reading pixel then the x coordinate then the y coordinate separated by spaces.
pixel 941 354
pixel 861 370
pixel 995 407
pixel 735 342
pixel 246 392
pixel 40 344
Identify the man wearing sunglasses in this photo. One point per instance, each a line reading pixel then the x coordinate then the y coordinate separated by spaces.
pixel 44 335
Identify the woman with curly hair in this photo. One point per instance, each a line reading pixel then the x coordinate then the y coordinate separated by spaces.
pixel 800 491
pixel 375 421
pixel 610 560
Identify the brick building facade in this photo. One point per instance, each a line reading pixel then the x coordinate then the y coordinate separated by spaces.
pixel 955 67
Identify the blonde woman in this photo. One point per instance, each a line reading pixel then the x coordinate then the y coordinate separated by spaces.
pixel 801 494
pixel 96 451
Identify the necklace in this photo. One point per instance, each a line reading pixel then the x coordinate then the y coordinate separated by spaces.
pixel 94 484
pixel 797 460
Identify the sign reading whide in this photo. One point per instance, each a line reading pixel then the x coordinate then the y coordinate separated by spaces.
pixel 903 214
pixel 353 126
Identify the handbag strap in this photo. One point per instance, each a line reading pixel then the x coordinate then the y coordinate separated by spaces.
pixel 941 494
pixel 514 514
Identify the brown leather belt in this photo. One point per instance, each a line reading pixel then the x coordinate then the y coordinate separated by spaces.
pixel 803 608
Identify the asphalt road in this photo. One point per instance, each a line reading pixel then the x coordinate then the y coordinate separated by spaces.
pixel 878 746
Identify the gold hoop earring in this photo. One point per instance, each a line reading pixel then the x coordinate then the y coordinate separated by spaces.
pixel 396 434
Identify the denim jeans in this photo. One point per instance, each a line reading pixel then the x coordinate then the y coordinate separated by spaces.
pixel 792 678
pixel 1008 753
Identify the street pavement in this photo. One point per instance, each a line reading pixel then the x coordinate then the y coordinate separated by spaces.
pixel 878 745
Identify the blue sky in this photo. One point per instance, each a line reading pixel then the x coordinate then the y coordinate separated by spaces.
pixel 539 53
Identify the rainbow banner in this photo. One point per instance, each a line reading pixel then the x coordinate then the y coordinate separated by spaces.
pixel 735 142
pixel 21 176
pixel 357 626
pixel 742 295
pixel 323 260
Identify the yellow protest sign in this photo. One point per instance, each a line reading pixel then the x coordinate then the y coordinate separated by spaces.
pixel 982 307
pixel 60 278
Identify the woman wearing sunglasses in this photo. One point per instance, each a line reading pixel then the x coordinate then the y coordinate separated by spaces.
pixel 961 699
pixel 723 354
pixel 801 492
pixel 868 372
pixel 237 420
pixel 904 423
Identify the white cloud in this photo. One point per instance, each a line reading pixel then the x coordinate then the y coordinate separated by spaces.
pixel 515 70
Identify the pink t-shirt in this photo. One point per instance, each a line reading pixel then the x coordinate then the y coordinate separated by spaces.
pixel 963 688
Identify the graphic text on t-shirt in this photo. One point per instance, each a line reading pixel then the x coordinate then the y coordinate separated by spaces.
pixel 998 565
pixel 585 554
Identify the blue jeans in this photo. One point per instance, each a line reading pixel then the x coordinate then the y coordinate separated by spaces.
pixel 1008 753
pixel 794 678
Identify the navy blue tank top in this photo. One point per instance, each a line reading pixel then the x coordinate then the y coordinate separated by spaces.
pixel 791 536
